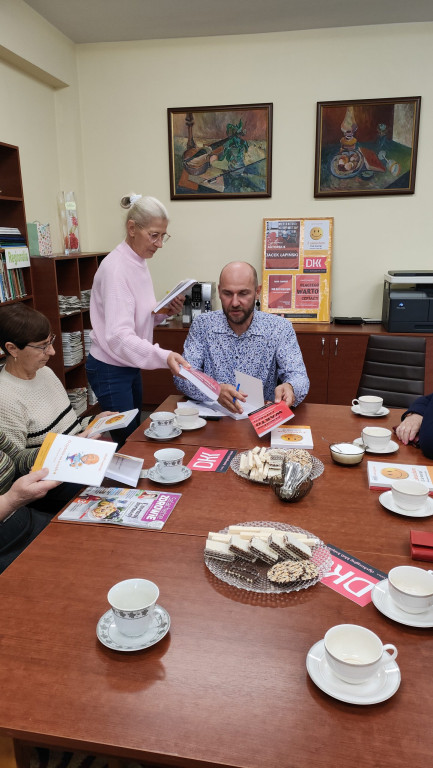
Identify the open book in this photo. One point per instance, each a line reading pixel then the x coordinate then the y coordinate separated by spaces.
pixel 176 291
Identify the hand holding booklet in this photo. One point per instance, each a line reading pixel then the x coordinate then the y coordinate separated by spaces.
pixel 74 459
pixel 176 291
pixel 112 421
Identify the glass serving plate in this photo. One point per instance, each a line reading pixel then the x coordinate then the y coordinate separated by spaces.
pixel 316 471
pixel 226 571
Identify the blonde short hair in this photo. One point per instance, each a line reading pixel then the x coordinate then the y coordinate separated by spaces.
pixel 143 210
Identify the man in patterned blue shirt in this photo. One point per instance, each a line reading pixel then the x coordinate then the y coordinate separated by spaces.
pixel 241 338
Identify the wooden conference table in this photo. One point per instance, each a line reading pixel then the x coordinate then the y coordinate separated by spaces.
pixel 228 684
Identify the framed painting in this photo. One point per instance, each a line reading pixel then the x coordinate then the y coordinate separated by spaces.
pixel 366 147
pixel 220 152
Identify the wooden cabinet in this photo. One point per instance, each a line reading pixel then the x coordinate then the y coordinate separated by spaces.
pixel 158 384
pixel 65 275
pixel 12 210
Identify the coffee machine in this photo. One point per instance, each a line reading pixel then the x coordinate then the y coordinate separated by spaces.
pixel 203 298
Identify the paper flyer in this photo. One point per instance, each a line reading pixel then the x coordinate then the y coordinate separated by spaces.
pixel 212 459
pixel 122 506
pixel 382 474
pixel 351 577
pixel 74 459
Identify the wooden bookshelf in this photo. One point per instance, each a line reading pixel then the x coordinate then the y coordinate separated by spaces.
pixel 12 209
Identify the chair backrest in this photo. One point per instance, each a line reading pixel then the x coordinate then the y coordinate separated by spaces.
pixel 394 369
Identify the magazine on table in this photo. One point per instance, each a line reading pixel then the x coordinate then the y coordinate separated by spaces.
pixel 381 474
pixel 176 291
pixel 73 459
pixel 122 506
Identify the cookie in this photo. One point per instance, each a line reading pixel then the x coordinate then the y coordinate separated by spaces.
pixel 263 551
pixel 218 549
pixel 286 572
pixel 298 548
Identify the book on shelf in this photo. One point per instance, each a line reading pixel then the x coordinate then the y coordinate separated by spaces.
pixel 12 285
pixel 135 508
pixel 176 291
pixel 75 459
pixel 381 474
pixel 292 437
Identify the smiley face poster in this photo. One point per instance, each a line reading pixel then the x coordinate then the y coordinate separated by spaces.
pixel 297 268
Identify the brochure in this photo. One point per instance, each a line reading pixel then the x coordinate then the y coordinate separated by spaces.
pixel 113 421
pixel 212 459
pixel 351 577
pixel 125 469
pixel 176 291
pixel 74 459
pixel 202 381
pixel 122 506
pixel 270 416
pixel 292 437
pixel 382 474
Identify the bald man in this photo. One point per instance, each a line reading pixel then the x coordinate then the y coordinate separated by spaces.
pixel 243 339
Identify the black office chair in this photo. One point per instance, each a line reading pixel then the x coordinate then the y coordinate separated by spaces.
pixel 394 369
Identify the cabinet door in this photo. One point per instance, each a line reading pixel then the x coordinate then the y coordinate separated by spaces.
pixel 315 351
pixel 346 358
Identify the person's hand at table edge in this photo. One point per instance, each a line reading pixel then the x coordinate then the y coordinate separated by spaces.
pixel 229 398
pixel 284 392
pixel 409 428
pixel 26 489
pixel 96 436
pixel 174 361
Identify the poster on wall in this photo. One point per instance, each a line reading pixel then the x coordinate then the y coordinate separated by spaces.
pixel 297 268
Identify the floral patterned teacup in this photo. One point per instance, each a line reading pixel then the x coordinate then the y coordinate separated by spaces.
pixel 133 602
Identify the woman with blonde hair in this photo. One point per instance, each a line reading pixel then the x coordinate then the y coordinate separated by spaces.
pixel 121 316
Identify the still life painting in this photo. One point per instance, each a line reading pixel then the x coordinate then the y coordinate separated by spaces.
pixel 366 147
pixel 220 152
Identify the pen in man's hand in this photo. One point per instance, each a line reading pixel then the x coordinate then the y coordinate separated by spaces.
pixel 237 390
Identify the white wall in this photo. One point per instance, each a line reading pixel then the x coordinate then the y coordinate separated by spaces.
pixel 125 90
pixel 103 132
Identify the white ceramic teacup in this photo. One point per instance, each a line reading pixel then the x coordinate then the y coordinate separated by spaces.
pixel 368 403
pixel 169 462
pixel 355 653
pixel 133 602
pixel 409 494
pixel 162 423
pixel 186 417
pixel 376 438
pixel 411 588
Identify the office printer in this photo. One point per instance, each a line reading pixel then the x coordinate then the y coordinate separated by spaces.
pixel 408 301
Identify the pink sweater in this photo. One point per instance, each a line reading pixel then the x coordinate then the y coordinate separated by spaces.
pixel 121 304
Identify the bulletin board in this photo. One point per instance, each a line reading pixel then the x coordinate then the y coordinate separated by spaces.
pixel 297 268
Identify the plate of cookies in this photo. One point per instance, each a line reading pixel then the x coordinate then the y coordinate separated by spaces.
pixel 262 465
pixel 267 557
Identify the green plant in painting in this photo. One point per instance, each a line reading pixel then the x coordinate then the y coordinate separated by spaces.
pixel 235 146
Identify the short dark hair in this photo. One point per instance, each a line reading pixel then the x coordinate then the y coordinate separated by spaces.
pixel 22 325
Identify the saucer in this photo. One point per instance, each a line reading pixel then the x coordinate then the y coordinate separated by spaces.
pixel 383 602
pixel 381 412
pixel 154 475
pixel 109 635
pixel 176 431
pixel 196 425
pixel 388 502
pixel 379 688
pixel 392 447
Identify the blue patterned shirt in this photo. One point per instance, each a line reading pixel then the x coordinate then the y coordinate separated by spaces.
pixel 268 350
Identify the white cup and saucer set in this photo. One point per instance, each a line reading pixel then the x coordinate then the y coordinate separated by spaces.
pixel 377 440
pixel 187 418
pixel 169 468
pixel 352 665
pixel 370 406
pixel 135 621
pixel 163 426
pixel 409 498
pixel 406 596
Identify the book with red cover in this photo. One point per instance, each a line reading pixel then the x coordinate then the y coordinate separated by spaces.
pixel 202 381
pixel 270 416
pixel 421 545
